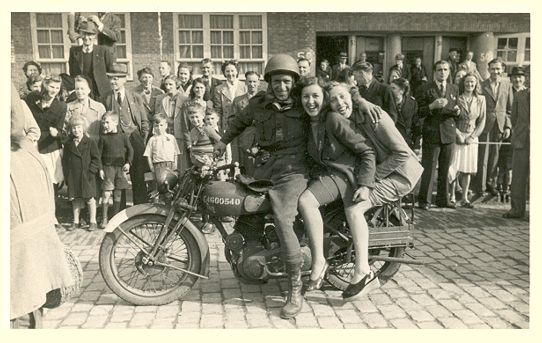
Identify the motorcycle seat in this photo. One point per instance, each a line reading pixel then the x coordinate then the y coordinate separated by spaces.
pixel 258 186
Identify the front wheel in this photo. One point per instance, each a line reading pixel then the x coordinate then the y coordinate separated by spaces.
pixel 124 268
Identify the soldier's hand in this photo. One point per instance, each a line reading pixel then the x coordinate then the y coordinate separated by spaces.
pixel 219 149
pixel 361 194
pixel 53 131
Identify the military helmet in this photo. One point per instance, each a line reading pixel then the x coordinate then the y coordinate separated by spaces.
pixel 281 63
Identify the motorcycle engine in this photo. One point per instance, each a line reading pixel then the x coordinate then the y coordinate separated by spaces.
pixel 253 249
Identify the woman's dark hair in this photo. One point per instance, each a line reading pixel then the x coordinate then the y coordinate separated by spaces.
pixel 192 93
pixel 403 84
pixel 186 66
pixel 31 63
pixel 145 70
pixel 232 63
pixel 46 81
pixel 306 81
pixel 344 75
pixel 476 91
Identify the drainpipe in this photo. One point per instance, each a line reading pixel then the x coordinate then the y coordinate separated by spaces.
pixel 160 35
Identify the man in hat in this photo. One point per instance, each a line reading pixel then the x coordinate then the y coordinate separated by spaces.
pixel 400 68
pixel 133 122
pixel 108 26
pixel 453 61
pixel 335 70
pixel 518 79
pixel 91 61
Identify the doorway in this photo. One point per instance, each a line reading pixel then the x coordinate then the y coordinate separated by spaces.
pixel 423 47
pixel 459 43
pixel 329 47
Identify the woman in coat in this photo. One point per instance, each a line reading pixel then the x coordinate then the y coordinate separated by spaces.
pixel 408 122
pixel 49 112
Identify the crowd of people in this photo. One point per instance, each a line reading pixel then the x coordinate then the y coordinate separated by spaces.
pixel 338 134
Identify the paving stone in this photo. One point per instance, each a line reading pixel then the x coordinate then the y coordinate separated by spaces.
pixel 77 318
pixel 420 316
pixel 480 310
pixel 403 324
pixel 329 323
pixel 209 321
pixel 497 323
pixel 348 316
pixel 452 323
pixel 492 302
pixel 429 325
pixel 467 316
pixel 375 320
pixel 438 311
pixel 392 312
pixel 451 304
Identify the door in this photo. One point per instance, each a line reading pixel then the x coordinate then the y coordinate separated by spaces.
pixel 423 47
pixel 329 47
pixel 373 47
pixel 459 43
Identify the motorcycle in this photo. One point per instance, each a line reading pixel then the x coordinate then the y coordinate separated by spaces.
pixel 154 254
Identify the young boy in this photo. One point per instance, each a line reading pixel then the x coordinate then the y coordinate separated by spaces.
pixel 80 163
pixel 162 149
pixel 211 119
pixel 202 136
pixel 117 155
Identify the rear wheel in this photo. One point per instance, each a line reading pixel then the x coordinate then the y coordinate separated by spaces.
pixel 126 271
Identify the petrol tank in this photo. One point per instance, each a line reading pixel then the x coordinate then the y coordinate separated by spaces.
pixel 224 198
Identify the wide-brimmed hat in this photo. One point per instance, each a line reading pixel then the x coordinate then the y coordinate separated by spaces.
pixel 88 27
pixel 343 55
pixel 517 71
pixel 118 69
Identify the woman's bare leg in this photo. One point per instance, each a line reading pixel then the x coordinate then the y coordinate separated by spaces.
pixel 314 226
pixel 355 216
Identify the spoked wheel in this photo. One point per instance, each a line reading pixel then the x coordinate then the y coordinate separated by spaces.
pixel 129 273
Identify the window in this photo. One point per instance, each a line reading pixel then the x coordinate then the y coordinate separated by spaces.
pixel 124 45
pixel 50 44
pixel 221 37
pixel 514 49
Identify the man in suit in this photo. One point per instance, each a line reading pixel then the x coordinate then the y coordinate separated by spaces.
pixel 148 92
pixel 437 103
pixel 499 97
pixel 521 118
pixel 91 61
pixel 207 75
pixel 107 24
pixel 133 122
pixel 336 69
pixel 400 68
pixel 372 90
pixel 453 59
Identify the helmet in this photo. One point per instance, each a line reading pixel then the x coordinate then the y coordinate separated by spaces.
pixel 166 179
pixel 281 63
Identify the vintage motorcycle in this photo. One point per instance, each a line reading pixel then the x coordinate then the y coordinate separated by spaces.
pixel 154 254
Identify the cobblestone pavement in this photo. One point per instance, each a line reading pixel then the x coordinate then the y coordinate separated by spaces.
pixel 476 276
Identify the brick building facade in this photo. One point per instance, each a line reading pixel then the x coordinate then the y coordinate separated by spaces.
pixel 252 38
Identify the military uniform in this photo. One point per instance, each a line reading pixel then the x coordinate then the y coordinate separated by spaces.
pixel 281 130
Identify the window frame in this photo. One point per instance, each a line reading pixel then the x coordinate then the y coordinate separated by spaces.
pixel 520 51
pixel 207 40
pixel 128 60
pixel 65 40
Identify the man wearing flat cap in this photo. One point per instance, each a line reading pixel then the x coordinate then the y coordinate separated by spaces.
pixel 91 61
pixel 133 122
pixel 517 77
pixel 335 70
pixel 400 68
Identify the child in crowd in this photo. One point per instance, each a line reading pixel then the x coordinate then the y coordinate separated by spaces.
pixel 80 163
pixel 34 83
pixel 211 119
pixel 202 136
pixel 162 149
pixel 117 154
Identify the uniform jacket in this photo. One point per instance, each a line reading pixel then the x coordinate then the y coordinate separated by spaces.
pixel 521 118
pixel 408 122
pixel 93 114
pixel 136 108
pixel 37 259
pixel 223 102
pixel 392 152
pixel 52 116
pixel 380 94
pixel 247 139
pixel 80 165
pixel 102 59
pixel 340 147
pixel 439 124
pixel 499 106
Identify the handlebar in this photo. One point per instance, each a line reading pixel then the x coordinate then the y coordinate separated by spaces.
pixel 224 167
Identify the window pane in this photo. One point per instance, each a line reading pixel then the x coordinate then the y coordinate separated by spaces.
pixel 512 43
pixel 197 51
pixel 44 51
pixel 221 21
pixel 58 51
pixel 216 37
pixel 197 37
pixel 244 37
pixel 250 22
pixel 49 20
pixel 184 37
pixel 216 51
pixel 512 56
pixel 246 66
pixel 190 21
pixel 257 37
pixel 257 52
pixel 527 55
pixel 56 36
pixel 121 51
pixel 244 52
pixel 122 37
pixel 501 54
pixel 53 68
pixel 184 51
pixel 528 43
pixel 43 36
pixel 501 43
pixel 228 52
pixel 122 19
pixel 228 37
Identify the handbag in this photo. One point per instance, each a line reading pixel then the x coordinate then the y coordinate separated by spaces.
pixel 58 296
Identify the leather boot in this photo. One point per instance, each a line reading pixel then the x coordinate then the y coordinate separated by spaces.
pixel 294 301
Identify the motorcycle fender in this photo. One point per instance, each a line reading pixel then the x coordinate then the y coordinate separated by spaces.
pixel 162 210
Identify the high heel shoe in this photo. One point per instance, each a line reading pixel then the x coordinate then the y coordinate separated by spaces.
pixel 313 285
pixel 365 285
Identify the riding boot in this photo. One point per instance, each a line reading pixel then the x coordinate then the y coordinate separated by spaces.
pixel 116 207
pixel 294 301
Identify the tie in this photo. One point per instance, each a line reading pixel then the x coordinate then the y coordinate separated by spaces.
pixel 119 99
pixel 442 92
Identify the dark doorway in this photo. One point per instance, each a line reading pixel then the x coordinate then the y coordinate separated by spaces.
pixel 459 43
pixel 329 47
pixel 423 47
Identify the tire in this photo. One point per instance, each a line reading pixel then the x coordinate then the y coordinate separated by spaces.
pixel 121 268
pixel 341 266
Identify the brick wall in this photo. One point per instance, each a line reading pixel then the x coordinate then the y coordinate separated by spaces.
pixel 21 46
